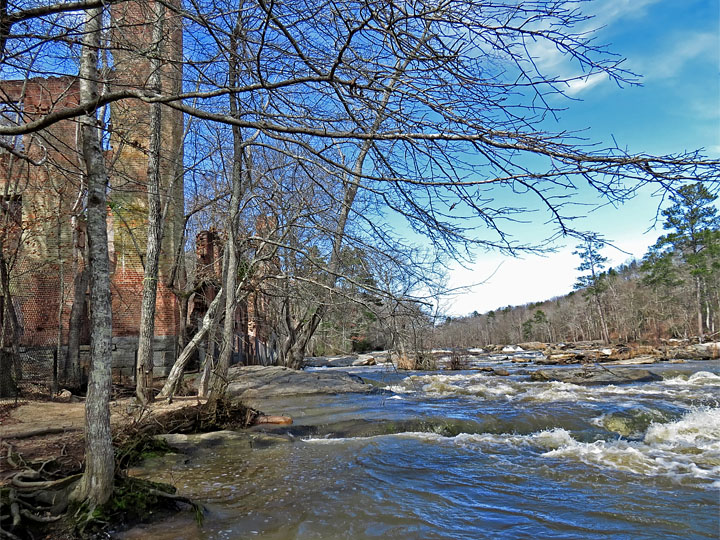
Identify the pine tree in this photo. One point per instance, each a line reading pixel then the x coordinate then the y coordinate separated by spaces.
pixel 593 283
pixel 693 221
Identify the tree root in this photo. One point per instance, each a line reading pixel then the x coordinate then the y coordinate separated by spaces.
pixel 19 482
pixel 39 519
pixel 33 500
pixel 39 432
pixel 37 501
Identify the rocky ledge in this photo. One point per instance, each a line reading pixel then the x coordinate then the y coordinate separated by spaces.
pixel 257 381
pixel 596 375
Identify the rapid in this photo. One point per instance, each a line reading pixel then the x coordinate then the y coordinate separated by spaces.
pixel 464 455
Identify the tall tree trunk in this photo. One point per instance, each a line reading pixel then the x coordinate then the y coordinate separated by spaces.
pixel 71 364
pixel 61 297
pixel 71 368
pixel 209 361
pixel 218 381
pixel 9 333
pixel 144 368
pixel 603 323
pixel 698 301
pixel 96 484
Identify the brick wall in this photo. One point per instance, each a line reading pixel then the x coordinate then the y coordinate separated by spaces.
pixel 49 190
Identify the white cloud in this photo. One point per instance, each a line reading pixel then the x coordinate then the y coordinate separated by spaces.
pixel 552 61
pixel 607 12
pixel 514 281
pixel 713 150
pixel 585 83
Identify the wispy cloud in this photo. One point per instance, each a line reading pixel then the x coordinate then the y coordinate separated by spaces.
pixel 607 12
pixel 713 150
pixel 579 85
pixel 684 48
pixel 603 15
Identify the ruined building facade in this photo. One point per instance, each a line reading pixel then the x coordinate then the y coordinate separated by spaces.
pixel 42 241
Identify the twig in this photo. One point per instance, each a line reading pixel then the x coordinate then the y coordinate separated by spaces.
pixel 39 519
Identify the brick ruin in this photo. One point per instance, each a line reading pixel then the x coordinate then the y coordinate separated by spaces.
pixel 252 328
pixel 45 196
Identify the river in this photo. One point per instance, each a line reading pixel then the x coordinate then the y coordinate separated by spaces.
pixel 465 455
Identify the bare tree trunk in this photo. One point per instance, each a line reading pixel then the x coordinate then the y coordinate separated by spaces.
pixel 173 381
pixel 61 298
pixel 96 484
pixel 218 381
pixel 144 368
pixel 698 300
pixel 603 324
pixel 71 368
pixel 80 285
pixel 10 331
pixel 209 361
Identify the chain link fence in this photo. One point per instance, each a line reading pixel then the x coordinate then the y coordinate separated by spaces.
pixel 38 370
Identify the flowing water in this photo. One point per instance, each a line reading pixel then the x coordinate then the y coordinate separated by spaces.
pixel 465 455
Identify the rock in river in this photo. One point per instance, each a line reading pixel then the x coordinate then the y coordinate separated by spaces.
pixel 591 376
pixel 265 381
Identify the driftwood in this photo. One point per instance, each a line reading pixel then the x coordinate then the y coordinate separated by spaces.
pixel 271 419
pixel 38 432
pixel 211 416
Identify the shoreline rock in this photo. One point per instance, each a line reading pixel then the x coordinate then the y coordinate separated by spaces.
pixel 595 376
pixel 260 381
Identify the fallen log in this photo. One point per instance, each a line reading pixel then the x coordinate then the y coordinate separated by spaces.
pixel 273 419
pixel 38 432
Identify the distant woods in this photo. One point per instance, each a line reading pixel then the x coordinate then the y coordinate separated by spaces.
pixel 673 292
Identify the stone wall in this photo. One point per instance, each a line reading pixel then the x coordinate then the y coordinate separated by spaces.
pixel 125 353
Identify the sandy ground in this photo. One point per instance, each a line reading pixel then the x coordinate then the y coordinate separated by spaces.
pixel 41 430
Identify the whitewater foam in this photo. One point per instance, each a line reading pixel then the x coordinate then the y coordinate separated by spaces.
pixel 698 386
pixel 687 449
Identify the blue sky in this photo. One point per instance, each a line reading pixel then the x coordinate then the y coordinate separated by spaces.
pixel 675 46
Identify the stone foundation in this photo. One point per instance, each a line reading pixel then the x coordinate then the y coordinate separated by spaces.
pixel 125 352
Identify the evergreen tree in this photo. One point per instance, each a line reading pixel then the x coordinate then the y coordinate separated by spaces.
pixel 592 283
pixel 693 240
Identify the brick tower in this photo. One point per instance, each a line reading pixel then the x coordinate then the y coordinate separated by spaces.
pixel 132 42
pixel 41 203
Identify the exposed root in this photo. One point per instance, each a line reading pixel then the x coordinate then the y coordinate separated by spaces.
pixel 12 458
pixel 39 432
pixel 39 519
pixel 38 501
pixel 33 501
pixel 19 481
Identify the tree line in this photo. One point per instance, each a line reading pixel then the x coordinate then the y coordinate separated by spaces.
pixel 672 292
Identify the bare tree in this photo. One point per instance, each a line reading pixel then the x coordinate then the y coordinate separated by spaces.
pixel 144 368
pixel 96 485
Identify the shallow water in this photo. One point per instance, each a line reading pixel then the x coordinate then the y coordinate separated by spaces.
pixel 465 456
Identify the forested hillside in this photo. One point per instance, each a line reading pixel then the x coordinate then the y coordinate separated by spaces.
pixel 673 292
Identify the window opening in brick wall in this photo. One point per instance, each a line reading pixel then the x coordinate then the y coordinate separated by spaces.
pixel 10 210
pixel 11 115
